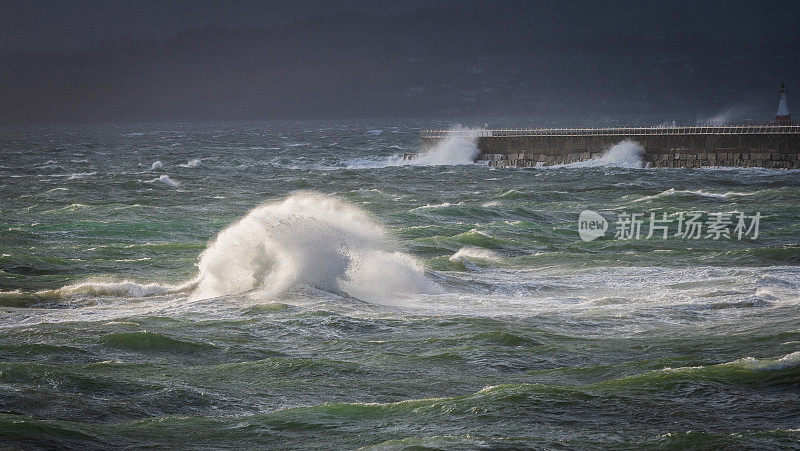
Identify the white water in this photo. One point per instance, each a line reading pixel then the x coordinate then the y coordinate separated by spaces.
pixel 458 148
pixel 310 240
pixel 723 117
pixel 625 154
pixel 101 288
pixel 791 360
pixel 165 179
pixel 475 253
pixel 81 175
pixel 634 300
pixel 699 193
pixel 191 163
pixel 157 166
pixel 112 288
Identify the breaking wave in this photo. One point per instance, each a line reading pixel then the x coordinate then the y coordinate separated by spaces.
pixel 698 193
pixel 111 288
pixel 92 288
pixel 157 166
pixel 191 163
pixel 81 175
pixel 308 240
pixel 769 370
pixel 460 147
pixel 475 253
pixel 165 179
pixel 312 240
pixel 625 154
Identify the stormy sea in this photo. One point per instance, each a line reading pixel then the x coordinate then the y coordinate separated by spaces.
pixel 301 285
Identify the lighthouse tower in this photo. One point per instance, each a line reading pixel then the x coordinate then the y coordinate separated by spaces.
pixel 783 118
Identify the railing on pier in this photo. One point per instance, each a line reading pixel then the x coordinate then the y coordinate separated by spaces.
pixel 620 131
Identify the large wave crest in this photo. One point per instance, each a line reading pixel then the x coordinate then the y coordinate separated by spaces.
pixel 308 239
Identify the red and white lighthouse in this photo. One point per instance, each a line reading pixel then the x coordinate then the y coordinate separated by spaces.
pixel 783 118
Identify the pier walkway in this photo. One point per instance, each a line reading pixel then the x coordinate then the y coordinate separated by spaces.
pixel 620 131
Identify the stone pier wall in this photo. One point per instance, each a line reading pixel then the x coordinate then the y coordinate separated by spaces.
pixel 687 150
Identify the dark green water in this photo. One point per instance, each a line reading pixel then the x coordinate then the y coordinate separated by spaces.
pixel 357 302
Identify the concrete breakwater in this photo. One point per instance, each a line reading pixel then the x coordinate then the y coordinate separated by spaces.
pixel 768 146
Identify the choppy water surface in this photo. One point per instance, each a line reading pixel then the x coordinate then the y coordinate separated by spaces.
pixel 296 285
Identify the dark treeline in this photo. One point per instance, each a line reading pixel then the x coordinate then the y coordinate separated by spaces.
pixel 485 58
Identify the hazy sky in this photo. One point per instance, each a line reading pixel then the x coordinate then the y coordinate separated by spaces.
pixel 59 24
pixel 374 58
pixel 56 24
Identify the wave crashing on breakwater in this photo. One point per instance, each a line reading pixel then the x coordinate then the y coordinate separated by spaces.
pixel 625 154
pixel 459 147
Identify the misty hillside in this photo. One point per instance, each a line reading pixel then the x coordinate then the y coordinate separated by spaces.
pixel 486 59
